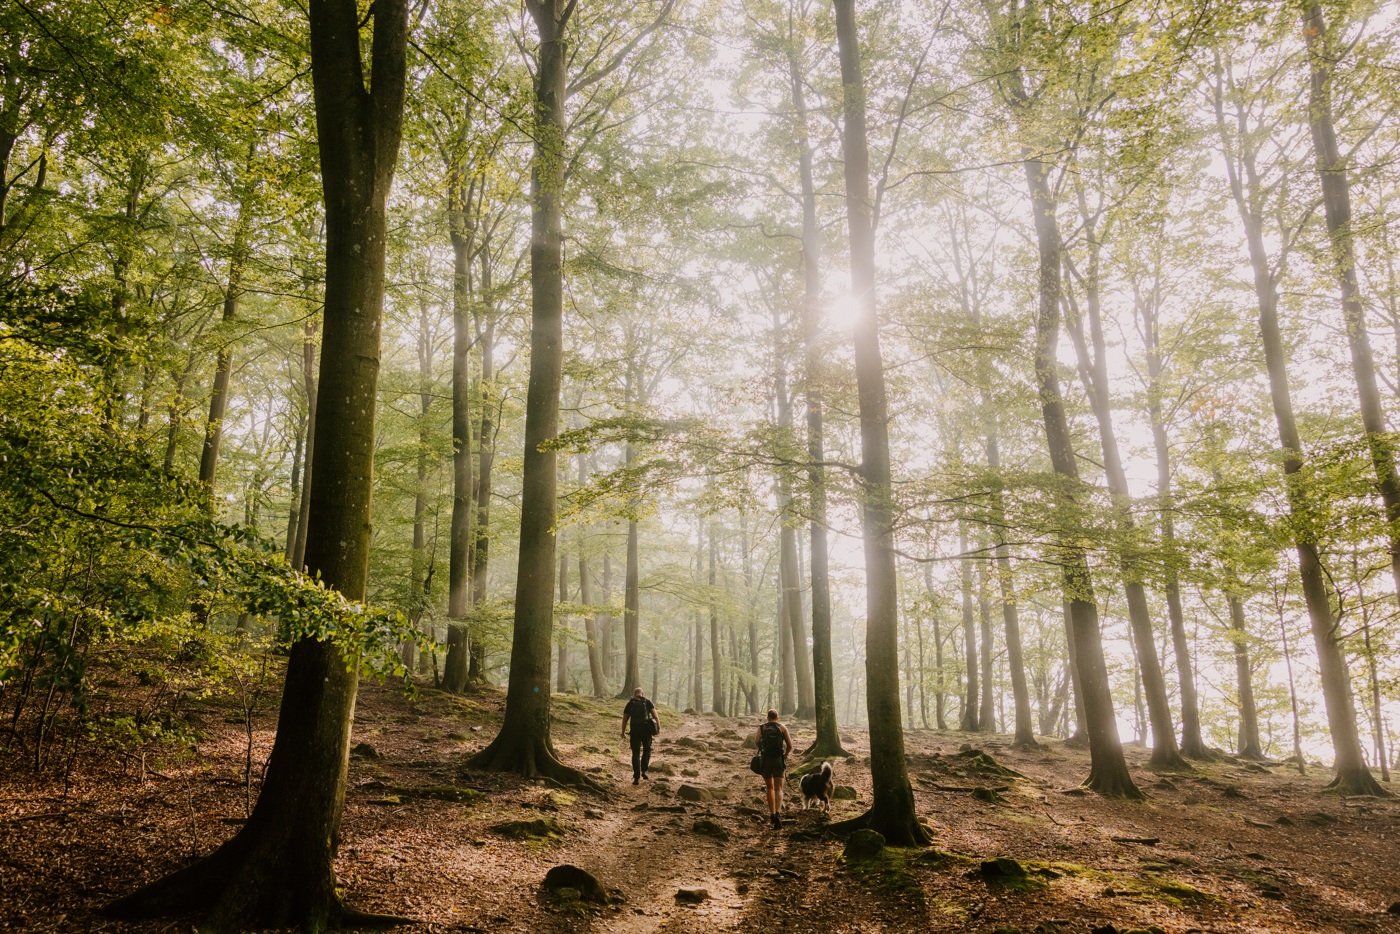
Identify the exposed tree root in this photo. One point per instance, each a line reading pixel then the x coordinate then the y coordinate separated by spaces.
pixel 1356 782
pixel 1113 783
pixel 827 751
pixel 1164 759
pixel 243 886
pixel 532 759
pixel 1199 751
pixel 897 830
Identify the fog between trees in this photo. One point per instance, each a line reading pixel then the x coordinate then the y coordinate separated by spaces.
pixel 1022 368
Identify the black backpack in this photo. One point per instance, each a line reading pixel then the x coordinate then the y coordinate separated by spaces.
pixel 772 744
pixel 642 724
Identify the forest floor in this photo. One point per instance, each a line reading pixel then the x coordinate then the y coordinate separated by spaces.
pixel 1238 847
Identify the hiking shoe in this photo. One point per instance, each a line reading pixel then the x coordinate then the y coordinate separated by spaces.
pixel 636 780
pixel 777 822
pixel 646 777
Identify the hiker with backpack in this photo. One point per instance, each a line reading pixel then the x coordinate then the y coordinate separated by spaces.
pixel 774 746
pixel 640 712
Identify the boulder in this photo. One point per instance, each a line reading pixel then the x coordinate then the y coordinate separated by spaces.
pixel 844 793
pixel 661 768
pixel 700 793
pixel 691 773
pixel 750 742
pixel 365 751
pixel 570 883
pixel 692 896
pixel 864 844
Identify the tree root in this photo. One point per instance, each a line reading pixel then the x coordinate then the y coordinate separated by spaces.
pixel 1113 787
pixel 232 893
pixel 1360 781
pixel 828 751
pixel 532 759
pixel 896 831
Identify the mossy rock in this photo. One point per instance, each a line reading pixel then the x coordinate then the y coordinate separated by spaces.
pixel 845 793
pixel 525 829
pixel 979 760
pixel 988 795
pixel 750 742
pixel 864 844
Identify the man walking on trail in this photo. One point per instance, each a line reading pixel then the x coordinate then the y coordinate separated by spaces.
pixel 774 746
pixel 641 713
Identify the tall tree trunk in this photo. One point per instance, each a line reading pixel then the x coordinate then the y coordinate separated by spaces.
pixel 1352 776
pixel 632 588
pixel 523 744
pixel 698 670
pixel 938 691
pixel 585 596
pixel 986 716
pixel 561 667
pixel 716 655
pixel 278 870
pixel 789 562
pixel 971 721
pixel 1192 744
pixel 752 612
pixel 1108 771
pixel 828 740
pixel 419 575
pixel 308 364
pixel 892 808
pixel 1080 735
pixel 459 555
pixel 1244 676
pixel 295 496
pixel 223 367
pixel 486 460
pixel 1094 370
pixel 1377 712
pixel 1336 202
pixel 607 623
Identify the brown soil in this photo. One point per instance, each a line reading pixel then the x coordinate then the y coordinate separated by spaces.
pixel 1239 847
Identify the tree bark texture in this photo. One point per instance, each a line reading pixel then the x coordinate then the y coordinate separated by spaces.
pixel 892 808
pixel 278 871
pixel 523 744
pixel 459 553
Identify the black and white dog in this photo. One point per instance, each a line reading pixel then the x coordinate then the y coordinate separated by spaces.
pixel 817 789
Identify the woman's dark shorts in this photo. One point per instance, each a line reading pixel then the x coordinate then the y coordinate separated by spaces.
pixel 773 767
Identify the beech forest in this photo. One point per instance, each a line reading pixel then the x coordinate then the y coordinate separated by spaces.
pixel 448 447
